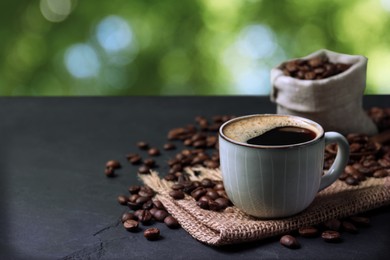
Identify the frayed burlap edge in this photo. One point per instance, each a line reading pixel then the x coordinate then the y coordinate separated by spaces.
pixel 233 226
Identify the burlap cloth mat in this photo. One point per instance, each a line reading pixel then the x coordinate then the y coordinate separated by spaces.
pixel 233 226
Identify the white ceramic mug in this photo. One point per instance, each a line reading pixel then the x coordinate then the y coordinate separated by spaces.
pixel 274 181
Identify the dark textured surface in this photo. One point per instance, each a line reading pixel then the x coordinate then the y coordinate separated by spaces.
pixel 57 203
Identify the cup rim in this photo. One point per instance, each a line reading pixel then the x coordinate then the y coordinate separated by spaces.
pixel 311 122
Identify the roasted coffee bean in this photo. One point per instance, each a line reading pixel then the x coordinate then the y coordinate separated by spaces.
pixel 147 205
pixel 122 199
pixel 219 186
pixel 150 162
pixel 199 144
pixel 135 160
pixel 160 215
pixel 152 233
pixel 146 192
pixel 333 224
pixel 223 202
pixel 169 146
pixel 158 204
pixel 145 217
pixel 215 206
pixel 170 177
pixel 134 189
pixel 114 164
pixel 141 200
pixel 133 197
pixel 143 169
pixel 131 225
pixel 153 210
pixel 349 227
pixel 176 194
pixel 308 231
pixel 127 216
pixel 360 221
pixel 207 183
pixel 289 242
pixel 198 192
pixel 212 194
pixel 143 145
pixel 109 172
pixel 177 186
pixel 210 164
pixel 203 204
pixel 188 187
pixel 171 222
pixel 380 173
pixel 351 181
pixel 331 236
pixel 153 151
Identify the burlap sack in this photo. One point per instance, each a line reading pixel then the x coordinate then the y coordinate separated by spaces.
pixel 334 102
pixel 233 226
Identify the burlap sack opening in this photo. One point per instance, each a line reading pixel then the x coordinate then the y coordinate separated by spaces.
pixel 233 226
pixel 334 102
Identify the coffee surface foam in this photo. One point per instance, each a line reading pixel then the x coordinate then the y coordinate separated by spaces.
pixel 245 128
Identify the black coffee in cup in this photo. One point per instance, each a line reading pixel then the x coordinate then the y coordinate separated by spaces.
pixel 284 135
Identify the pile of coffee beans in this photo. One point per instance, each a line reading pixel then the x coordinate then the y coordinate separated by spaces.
pixel 367 159
pixel 330 231
pixel 145 210
pixel 209 194
pixel 198 144
pixel 311 69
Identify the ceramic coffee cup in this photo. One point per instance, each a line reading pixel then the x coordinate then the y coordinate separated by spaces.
pixel 276 180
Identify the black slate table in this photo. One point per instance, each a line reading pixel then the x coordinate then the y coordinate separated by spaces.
pixel 55 201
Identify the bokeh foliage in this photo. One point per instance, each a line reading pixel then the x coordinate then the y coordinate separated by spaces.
pixel 62 47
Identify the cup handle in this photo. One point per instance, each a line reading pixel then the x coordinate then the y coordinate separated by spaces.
pixel 341 160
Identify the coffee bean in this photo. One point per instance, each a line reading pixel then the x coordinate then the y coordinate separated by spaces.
pixel 380 173
pixel 349 227
pixel 150 162
pixel 135 160
pixel 213 205
pixel 203 204
pixel 333 224
pixel 198 192
pixel 144 217
pixel 143 169
pixel 171 222
pixel 141 200
pixel 351 181
pixel 153 151
pixel 212 194
pixel 122 199
pixel 152 234
pixel 143 145
pixel 207 183
pixel 130 225
pixel 177 186
pixel 146 192
pixel 160 215
pixel 158 204
pixel 134 189
pixel 176 194
pixel 127 216
pixel 289 242
pixel 169 146
pixel 109 172
pixel 114 164
pixel 147 205
pixel 153 210
pixel 223 202
pixel 331 236
pixel 308 231
pixel 360 221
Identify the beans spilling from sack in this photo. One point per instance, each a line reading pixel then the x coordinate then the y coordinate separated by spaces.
pixel 198 143
pixel 311 69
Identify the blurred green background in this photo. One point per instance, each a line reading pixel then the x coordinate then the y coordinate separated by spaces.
pixel 167 47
